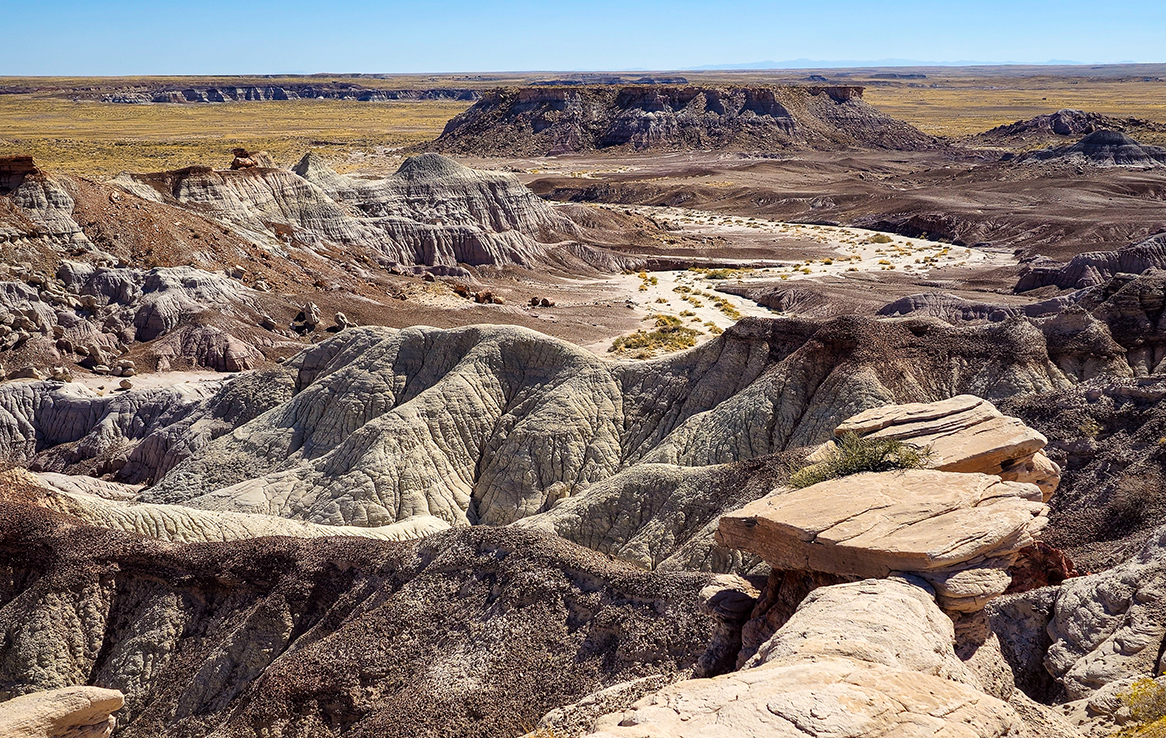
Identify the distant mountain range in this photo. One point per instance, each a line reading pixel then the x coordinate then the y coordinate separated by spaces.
pixel 844 63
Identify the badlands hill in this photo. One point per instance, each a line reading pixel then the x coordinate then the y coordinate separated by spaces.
pixel 538 121
pixel 1104 148
pixel 432 212
pixel 221 268
pixel 491 425
pixel 1063 124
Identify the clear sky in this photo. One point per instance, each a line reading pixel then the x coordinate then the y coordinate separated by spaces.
pixel 95 37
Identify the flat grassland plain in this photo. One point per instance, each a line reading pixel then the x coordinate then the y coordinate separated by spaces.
pixel 99 139
pixel 65 126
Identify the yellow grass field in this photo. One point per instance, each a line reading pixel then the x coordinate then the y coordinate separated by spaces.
pixel 965 106
pixel 59 121
pixel 101 139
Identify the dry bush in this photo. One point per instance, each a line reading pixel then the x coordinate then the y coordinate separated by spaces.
pixel 1146 701
pixel 670 335
pixel 854 454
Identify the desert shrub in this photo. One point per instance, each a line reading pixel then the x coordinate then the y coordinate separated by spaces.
pixel 727 308
pixel 879 238
pixel 1146 700
pixel 670 335
pixel 1089 428
pixel 853 454
pixel 1133 502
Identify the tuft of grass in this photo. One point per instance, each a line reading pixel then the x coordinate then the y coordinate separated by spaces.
pixel 854 454
pixel 1089 428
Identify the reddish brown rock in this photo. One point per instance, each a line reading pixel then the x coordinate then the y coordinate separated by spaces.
pixel 1040 565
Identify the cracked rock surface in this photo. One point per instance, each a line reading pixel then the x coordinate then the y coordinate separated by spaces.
pixel 961 532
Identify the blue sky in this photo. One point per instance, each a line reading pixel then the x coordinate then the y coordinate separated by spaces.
pixel 216 37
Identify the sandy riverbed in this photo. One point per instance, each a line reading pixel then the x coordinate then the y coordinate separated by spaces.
pixel 848 252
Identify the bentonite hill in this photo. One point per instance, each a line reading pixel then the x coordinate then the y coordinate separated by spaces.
pixel 638 405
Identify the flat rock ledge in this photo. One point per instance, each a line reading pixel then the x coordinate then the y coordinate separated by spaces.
pixel 72 712
pixel 959 532
pixel 965 434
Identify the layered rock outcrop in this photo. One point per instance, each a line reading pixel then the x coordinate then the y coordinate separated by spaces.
pixel 963 434
pixel 335 90
pixel 1065 123
pixel 555 120
pixel 432 212
pixel 960 532
pixel 69 712
pixel 955 526
pixel 41 207
pixel 880 656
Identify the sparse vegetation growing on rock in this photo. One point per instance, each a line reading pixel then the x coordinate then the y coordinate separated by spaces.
pixel 1146 701
pixel 854 454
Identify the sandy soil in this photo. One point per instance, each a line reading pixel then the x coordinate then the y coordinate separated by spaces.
pixel 848 249
pixel 201 382
pixel 839 253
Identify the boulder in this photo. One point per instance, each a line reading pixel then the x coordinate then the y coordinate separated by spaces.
pixel 28 372
pixel 71 712
pixel 870 658
pixel 310 314
pixel 960 532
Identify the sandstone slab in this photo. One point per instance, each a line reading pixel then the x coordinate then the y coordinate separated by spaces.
pixel 965 434
pixel 71 712
pixel 875 524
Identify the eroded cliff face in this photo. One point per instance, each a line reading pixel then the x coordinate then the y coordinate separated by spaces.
pixel 1095 267
pixel 432 212
pixel 557 120
pixel 38 200
pixel 487 629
